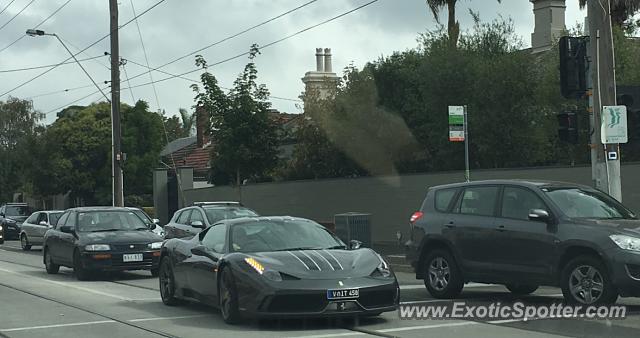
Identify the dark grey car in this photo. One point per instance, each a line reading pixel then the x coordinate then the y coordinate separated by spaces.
pixel 525 234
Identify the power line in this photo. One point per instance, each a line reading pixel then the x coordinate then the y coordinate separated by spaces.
pixel 80 51
pixel 123 62
pixel 59 91
pixel 15 16
pixel 91 45
pixel 38 25
pixel 263 47
pixel 74 101
pixel 146 58
pixel 229 37
pixel 7 6
pixel 46 66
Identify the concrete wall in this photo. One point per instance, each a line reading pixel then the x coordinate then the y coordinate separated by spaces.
pixel 390 200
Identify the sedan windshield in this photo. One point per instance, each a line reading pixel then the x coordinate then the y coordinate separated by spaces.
pixel 143 216
pixel 581 203
pixel 94 221
pixel 17 210
pixel 281 235
pixel 216 214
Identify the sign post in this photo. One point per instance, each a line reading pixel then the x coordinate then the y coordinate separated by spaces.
pixel 459 132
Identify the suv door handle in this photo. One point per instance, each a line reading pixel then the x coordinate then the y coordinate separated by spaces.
pixel 501 228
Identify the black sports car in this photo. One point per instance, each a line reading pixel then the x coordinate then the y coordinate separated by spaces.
pixel 276 267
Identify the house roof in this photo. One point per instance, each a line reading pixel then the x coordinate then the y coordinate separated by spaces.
pixel 177 144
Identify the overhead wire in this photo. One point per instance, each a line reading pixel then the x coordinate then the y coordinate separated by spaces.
pixel 84 49
pixel 7 6
pixel 36 26
pixel 17 14
pixel 146 58
pixel 47 66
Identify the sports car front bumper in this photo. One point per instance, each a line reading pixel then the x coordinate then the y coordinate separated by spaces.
pixel 308 297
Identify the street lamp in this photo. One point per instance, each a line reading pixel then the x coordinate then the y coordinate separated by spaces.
pixel 38 32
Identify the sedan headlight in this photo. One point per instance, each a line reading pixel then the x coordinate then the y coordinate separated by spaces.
pixel 626 242
pixel 155 245
pixel 10 221
pixel 97 247
pixel 0 227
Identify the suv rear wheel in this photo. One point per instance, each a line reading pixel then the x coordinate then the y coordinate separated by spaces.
pixel 442 276
pixel 585 280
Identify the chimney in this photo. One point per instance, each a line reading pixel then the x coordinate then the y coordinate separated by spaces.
pixel 549 23
pixel 319 62
pixel 327 60
pixel 202 120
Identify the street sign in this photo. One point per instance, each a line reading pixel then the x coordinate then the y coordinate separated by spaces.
pixel 456 123
pixel 614 125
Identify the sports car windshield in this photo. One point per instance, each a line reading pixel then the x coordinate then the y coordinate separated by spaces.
pixel 95 221
pixel 281 235
pixel 217 214
pixel 580 203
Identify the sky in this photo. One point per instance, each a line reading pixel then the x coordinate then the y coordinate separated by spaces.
pixel 177 27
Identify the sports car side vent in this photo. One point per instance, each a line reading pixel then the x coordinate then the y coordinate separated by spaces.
pixel 288 277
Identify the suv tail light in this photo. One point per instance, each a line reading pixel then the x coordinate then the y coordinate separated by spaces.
pixel 416 216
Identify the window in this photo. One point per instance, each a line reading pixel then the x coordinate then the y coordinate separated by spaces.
pixel 42 218
pixel 582 203
pixel 53 218
pixel 17 210
pixel 111 220
pixel 34 218
pixel 443 199
pixel 184 217
pixel 71 221
pixel 517 202
pixel 214 238
pixel 196 215
pixel 62 220
pixel 479 201
pixel 216 214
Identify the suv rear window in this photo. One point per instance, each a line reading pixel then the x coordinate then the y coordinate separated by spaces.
pixel 443 199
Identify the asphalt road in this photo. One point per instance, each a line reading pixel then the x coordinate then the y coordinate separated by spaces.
pixel 35 304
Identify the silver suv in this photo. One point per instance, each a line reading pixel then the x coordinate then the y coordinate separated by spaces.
pixel 188 222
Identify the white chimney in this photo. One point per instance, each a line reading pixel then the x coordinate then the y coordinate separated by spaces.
pixel 327 60
pixel 549 23
pixel 319 60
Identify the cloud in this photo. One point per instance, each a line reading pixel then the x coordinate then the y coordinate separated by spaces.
pixel 180 26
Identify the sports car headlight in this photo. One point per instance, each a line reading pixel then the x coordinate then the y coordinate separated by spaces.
pixel 267 273
pixel 155 245
pixel 626 242
pixel 97 247
pixel 383 268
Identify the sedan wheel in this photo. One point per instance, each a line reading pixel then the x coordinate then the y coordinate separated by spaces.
pixel 585 281
pixel 24 242
pixel 167 283
pixel 228 298
pixel 81 273
pixel 48 263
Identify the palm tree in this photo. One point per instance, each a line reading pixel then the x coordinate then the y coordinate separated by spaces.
pixel 188 122
pixel 453 26
pixel 621 10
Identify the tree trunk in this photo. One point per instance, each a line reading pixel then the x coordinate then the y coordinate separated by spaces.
pixel 453 27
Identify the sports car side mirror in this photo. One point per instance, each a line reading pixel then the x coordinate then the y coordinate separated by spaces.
pixel 355 244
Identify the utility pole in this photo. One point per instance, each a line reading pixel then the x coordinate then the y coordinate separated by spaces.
pixel 116 153
pixel 605 172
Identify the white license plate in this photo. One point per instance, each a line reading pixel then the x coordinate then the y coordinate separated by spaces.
pixel 132 258
pixel 343 294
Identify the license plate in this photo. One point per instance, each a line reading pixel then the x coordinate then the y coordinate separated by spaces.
pixel 132 258
pixel 343 294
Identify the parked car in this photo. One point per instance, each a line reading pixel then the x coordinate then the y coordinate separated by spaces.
pixel 525 234
pixel 276 267
pixel 12 215
pixel 152 223
pixel 33 229
pixel 188 222
pixel 91 239
pixel 1 234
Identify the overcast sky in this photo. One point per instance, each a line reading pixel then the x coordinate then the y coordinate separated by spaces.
pixel 177 27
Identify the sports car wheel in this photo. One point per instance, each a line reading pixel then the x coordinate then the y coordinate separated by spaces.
pixel 228 298
pixel 442 276
pixel 80 272
pixel 167 284
pixel 48 263
pixel 24 242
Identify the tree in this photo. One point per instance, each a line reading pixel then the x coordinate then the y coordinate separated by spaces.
pixel 188 122
pixel 453 26
pixel 621 10
pixel 244 138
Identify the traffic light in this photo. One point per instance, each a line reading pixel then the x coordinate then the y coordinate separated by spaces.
pixel 573 66
pixel 568 126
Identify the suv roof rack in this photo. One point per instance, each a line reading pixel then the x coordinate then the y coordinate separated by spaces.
pixel 229 203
